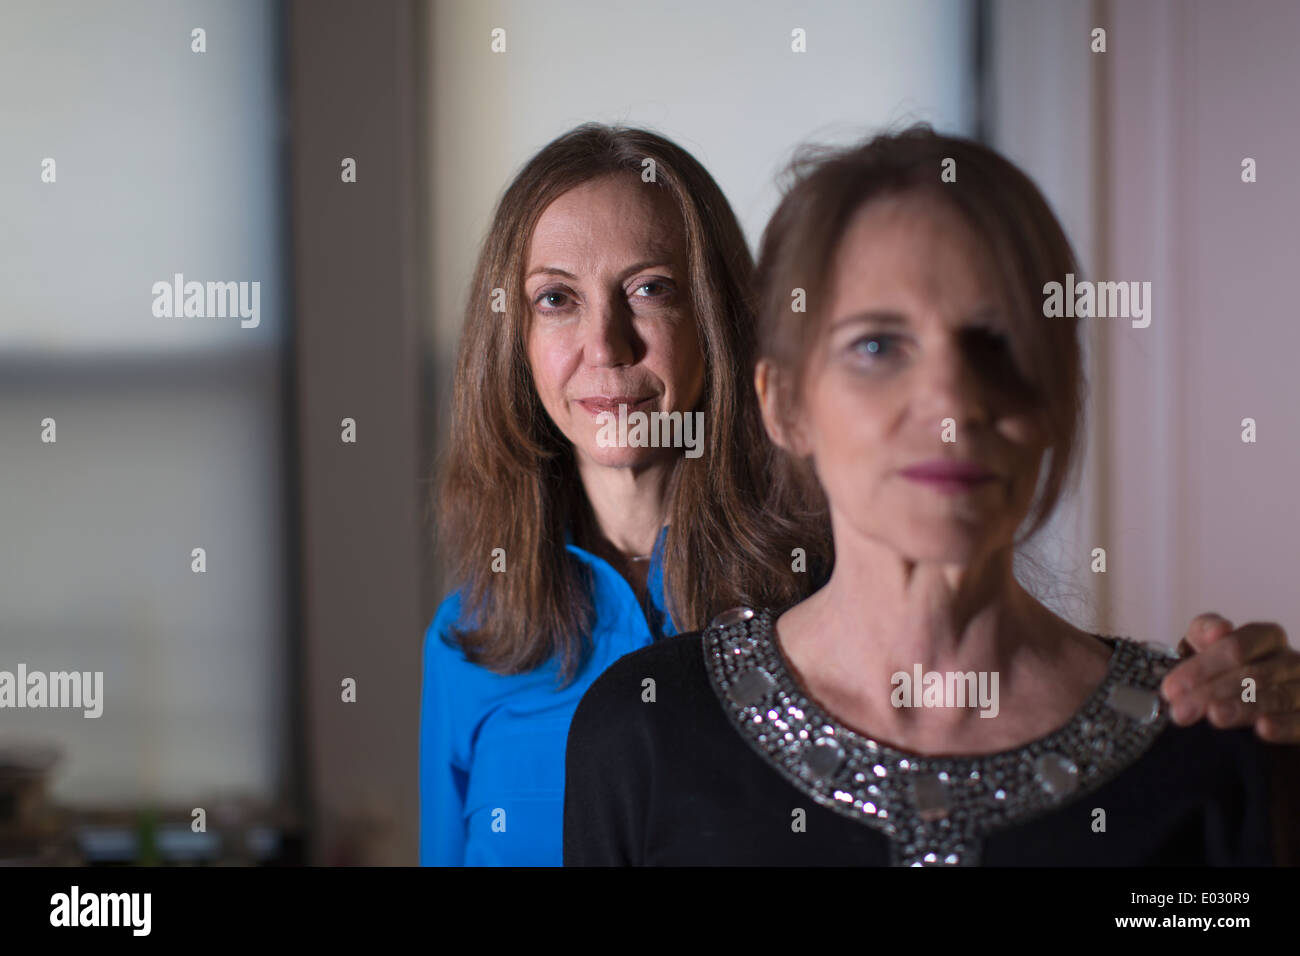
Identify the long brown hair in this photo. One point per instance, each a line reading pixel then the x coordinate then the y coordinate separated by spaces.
pixel 1005 209
pixel 509 479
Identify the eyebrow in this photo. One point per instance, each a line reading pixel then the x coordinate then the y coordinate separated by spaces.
pixel 550 270
pixel 874 316
pixel 885 317
pixel 657 262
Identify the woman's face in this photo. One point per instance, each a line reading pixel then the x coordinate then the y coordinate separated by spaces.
pixel 611 318
pixel 916 351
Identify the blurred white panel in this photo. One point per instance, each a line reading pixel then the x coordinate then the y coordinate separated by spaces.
pixel 169 429
pixel 98 577
pixel 166 162
pixel 1044 119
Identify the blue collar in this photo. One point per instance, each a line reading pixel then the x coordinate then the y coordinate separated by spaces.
pixel 660 621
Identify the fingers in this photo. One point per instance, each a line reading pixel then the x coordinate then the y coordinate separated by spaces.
pixel 1277 681
pixel 1209 684
pixel 1225 653
pixel 1281 700
pixel 1204 630
pixel 1222 713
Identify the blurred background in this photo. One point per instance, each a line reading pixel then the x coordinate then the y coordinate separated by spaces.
pixel 211 139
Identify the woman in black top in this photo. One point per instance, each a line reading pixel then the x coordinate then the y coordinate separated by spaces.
pixel 686 781
pixel 921 708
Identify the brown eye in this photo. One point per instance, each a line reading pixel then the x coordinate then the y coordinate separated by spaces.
pixel 551 299
pixel 652 289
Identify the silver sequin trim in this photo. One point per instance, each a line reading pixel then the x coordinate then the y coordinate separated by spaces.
pixel 934 811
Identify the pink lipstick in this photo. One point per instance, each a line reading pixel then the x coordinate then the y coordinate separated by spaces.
pixel 949 475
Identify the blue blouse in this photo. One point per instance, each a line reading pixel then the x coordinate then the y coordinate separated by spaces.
pixel 492 746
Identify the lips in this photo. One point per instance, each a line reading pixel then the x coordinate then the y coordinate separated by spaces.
pixel 597 404
pixel 949 474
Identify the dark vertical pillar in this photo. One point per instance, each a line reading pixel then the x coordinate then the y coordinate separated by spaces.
pixel 353 94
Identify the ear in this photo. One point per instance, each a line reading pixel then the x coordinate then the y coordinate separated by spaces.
pixel 767 383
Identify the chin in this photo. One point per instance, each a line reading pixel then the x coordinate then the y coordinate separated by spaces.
pixel 625 457
pixel 943 542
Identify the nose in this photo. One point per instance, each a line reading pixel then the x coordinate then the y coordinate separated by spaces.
pixel 609 338
pixel 951 386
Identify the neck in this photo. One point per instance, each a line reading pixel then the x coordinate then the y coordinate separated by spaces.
pixel 630 505
pixel 892 612
pixel 882 613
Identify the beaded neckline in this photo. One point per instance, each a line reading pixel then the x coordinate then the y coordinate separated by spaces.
pixel 933 810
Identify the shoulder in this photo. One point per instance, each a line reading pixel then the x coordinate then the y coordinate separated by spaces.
pixel 1143 664
pixel 661 683
pixel 674 656
pixel 441 649
pixel 1229 755
pixel 1207 752
pixel 438 635
pixel 672 661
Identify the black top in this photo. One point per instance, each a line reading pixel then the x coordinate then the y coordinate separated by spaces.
pixel 731 764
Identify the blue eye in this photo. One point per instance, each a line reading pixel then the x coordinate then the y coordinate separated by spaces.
pixel 875 346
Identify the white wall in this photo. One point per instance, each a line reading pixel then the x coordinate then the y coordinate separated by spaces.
pixel 719 78
pixel 1139 150
pixel 1201 519
pixel 1044 117
pixel 169 430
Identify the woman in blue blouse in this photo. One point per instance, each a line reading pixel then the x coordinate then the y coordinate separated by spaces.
pixel 613 286
pixel 614 289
